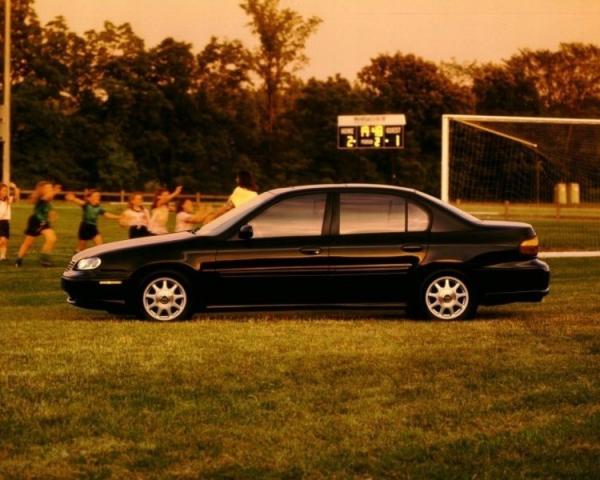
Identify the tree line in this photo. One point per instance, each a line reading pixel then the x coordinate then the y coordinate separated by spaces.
pixel 103 109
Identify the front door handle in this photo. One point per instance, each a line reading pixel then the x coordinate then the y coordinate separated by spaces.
pixel 310 250
pixel 412 248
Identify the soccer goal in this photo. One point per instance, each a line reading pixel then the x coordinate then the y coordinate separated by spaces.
pixel 545 171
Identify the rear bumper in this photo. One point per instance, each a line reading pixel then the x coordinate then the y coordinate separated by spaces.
pixel 521 281
pixel 500 298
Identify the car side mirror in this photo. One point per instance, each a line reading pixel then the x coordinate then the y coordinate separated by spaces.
pixel 246 232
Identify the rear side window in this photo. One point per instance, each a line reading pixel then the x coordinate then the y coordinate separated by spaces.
pixel 380 213
pixel 418 218
pixel 371 213
pixel 293 217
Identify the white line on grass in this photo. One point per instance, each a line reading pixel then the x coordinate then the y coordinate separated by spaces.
pixel 569 254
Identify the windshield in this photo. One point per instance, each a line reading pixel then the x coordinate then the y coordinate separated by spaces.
pixel 452 208
pixel 222 223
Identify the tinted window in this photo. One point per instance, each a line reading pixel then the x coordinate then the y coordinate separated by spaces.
pixel 222 223
pixel 371 213
pixel 418 219
pixel 294 217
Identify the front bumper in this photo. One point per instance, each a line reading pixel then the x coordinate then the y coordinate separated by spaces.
pixel 520 281
pixel 102 292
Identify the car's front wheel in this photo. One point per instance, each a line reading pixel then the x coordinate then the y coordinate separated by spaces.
pixel 165 297
pixel 448 296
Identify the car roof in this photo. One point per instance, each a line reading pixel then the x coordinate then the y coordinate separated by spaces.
pixel 341 186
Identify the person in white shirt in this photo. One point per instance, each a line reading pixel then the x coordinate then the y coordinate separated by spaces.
pixel 136 217
pixel 186 218
pixel 159 215
pixel 244 192
pixel 6 201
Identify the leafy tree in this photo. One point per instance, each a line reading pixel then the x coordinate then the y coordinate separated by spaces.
pixel 282 35
pixel 102 109
pixel 311 135
pixel 500 90
pixel 224 73
pixel 420 89
pixel 567 80
pixel 117 169
pixel 26 39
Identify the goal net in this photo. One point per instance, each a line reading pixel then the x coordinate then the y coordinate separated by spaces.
pixel 544 171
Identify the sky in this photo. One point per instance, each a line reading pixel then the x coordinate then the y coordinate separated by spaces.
pixel 354 31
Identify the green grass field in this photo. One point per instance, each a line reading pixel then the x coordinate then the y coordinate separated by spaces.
pixel 576 228
pixel 513 394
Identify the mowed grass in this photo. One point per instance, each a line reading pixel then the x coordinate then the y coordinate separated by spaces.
pixel 515 393
pixel 577 227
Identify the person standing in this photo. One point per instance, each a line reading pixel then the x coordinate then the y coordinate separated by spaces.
pixel 186 218
pixel 242 193
pixel 159 215
pixel 6 201
pixel 136 217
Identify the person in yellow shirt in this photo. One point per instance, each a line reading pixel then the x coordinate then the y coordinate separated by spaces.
pixel 242 193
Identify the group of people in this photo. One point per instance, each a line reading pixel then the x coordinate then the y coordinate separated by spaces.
pixel 140 220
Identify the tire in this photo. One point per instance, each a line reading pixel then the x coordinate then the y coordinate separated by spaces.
pixel 164 297
pixel 447 295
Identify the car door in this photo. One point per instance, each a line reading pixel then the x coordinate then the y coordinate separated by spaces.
pixel 285 261
pixel 381 238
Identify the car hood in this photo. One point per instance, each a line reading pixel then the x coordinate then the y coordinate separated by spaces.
pixel 133 243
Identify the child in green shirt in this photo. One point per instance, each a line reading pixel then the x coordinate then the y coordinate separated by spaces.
pixel 91 211
pixel 39 223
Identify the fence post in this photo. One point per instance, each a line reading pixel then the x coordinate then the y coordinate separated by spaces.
pixel 506 206
pixel 122 196
pixel 198 197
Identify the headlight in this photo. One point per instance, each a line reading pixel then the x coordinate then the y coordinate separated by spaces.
pixel 88 263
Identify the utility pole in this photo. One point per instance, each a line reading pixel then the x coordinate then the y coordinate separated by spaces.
pixel 6 97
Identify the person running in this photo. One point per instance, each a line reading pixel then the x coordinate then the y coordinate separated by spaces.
pixel 91 211
pixel 159 215
pixel 186 218
pixel 39 223
pixel 6 201
pixel 136 217
pixel 242 193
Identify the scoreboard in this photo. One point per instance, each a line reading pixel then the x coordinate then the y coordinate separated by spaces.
pixel 371 131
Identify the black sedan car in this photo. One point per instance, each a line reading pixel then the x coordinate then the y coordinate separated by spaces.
pixel 324 246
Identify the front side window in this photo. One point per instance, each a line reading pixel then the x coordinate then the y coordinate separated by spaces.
pixel 371 213
pixel 298 216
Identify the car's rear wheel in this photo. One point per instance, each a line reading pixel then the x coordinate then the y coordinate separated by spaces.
pixel 448 296
pixel 165 297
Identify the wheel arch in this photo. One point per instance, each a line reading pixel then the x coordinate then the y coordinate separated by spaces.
pixel 182 269
pixel 421 274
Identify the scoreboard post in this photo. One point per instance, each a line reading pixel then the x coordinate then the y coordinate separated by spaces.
pixel 374 132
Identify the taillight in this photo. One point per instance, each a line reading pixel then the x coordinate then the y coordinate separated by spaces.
pixel 531 246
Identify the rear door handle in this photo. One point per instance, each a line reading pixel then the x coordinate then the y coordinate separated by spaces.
pixel 310 250
pixel 412 248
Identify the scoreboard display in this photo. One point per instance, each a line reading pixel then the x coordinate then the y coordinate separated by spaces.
pixel 371 131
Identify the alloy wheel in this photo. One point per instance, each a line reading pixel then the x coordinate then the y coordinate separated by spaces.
pixel 164 299
pixel 447 298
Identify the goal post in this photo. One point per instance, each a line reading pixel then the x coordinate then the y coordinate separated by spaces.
pixel 447 118
pixel 543 170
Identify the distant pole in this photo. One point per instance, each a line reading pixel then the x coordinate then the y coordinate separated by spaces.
pixel 6 101
pixel 445 173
